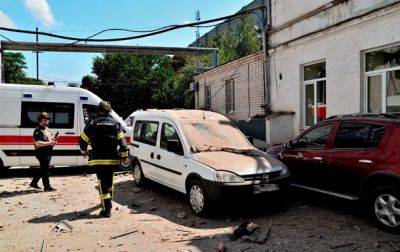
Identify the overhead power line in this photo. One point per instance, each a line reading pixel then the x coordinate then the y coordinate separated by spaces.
pixel 148 33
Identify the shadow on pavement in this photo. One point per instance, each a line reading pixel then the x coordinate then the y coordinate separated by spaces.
pixel 55 171
pixel 5 194
pixel 155 199
pixel 71 216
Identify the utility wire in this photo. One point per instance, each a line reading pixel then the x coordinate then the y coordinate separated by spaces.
pixel 148 34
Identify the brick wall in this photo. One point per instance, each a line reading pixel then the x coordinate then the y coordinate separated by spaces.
pixel 247 73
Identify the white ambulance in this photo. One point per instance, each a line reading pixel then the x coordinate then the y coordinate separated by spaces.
pixel 70 109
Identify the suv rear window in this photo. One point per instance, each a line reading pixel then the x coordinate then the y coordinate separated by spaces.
pixel 358 135
pixel 146 132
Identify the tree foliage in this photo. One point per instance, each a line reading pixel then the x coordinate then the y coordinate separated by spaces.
pixel 132 82
pixel 235 43
pixel 14 69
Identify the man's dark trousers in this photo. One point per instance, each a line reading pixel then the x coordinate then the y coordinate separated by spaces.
pixel 105 175
pixel 44 162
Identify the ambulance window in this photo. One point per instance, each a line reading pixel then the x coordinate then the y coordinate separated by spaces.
pixel 89 112
pixel 61 114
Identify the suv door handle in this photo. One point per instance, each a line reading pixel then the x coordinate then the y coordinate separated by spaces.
pixel 365 161
pixel 317 158
pixel 158 157
pixel 152 155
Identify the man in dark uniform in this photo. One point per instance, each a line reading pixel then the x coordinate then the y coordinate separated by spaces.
pixel 43 141
pixel 108 148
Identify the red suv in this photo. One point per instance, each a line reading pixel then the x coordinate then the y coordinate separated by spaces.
pixel 356 157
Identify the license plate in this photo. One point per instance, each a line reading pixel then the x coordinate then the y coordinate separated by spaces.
pixel 266 188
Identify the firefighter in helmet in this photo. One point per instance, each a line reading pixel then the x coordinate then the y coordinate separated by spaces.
pixel 108 148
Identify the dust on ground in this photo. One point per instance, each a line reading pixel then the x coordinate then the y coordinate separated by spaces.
pixel 158 219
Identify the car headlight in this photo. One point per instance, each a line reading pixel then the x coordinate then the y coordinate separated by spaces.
pixel 227 177
pixel 285 170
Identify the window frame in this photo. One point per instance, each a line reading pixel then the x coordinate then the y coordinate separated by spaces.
pixel 49 108
pixel 229 96
pixel 140 139
pixel 207 97
pixel 313 82
pixel 382 72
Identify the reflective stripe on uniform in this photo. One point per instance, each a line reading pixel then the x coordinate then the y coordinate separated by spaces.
pixel 105 196
pixel 104 162
pixel 123 154
pixel 84 137
pixel 120 135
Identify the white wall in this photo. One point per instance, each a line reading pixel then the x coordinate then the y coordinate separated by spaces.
pixel 287 10
pixel 342 49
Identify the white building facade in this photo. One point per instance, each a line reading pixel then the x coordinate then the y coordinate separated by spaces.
pixel 326 58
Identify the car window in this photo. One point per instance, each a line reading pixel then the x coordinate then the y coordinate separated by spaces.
pixel 315 138
pixel 375 135
pixel 168 133
pixel 61 114
pixel 146 132
pixel 358 135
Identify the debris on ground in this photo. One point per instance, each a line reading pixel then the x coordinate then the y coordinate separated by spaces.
pixel 221 247
pixel 137 190
pixel 124 234
pixel 63 226
pixel 343 245
pixel 153 209
pixel 246 228
pixel 181 215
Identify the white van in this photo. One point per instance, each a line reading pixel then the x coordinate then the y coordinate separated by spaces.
pixel 201 154
pixel 69 107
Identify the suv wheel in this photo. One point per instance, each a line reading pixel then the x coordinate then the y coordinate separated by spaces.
pixel 385 206
pixel 138 176
pixel 198 200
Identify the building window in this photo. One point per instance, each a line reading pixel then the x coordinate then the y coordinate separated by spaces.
pixel 229 96
pixel 207 97
pixel 314 93
pixel 382 80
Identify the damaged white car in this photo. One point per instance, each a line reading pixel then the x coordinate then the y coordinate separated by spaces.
pixel 201 154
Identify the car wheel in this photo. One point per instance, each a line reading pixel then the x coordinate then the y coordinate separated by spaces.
pixel 138 176
pixel 385 207
pixel 198 199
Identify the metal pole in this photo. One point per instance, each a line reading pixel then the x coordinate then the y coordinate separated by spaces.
pixel 37 57
pixel 265 28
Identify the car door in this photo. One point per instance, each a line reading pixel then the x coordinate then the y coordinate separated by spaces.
pixel 353 154
pixel 62 120
pixel 170 162
pixel 144 144
pixel 307 156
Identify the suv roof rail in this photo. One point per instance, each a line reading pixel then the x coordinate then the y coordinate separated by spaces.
pixel 371 115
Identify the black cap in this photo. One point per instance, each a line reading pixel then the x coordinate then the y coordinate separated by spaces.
pixel 43 115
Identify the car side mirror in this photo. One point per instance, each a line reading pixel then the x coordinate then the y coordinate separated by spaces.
pixel 174 146
pixel 289 145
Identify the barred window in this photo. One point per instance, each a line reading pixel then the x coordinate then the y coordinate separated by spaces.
pixel 230 96
pixel 207 97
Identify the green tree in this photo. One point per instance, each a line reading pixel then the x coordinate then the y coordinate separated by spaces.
pixel 14 66
pixel 14 69
pixel 235 43
pixel 132 82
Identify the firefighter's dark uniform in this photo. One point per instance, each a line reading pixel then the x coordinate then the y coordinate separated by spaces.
pixel 105 136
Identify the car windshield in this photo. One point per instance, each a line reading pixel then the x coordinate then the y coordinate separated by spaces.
pixel 214 135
